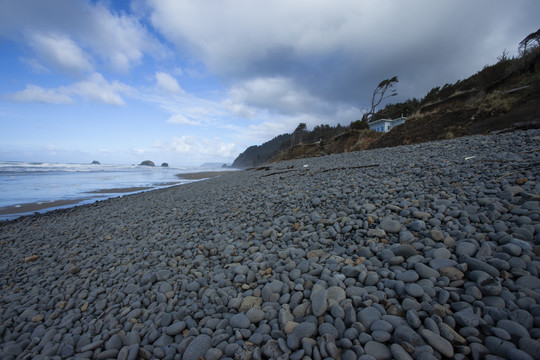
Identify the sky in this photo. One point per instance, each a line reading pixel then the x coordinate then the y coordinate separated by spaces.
pixel 189 82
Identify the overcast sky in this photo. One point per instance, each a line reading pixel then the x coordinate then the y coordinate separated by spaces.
pixel 188 82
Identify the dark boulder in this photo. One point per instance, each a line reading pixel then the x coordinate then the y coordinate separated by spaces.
pixel 95 162
pixel 164 165
pixel 147 163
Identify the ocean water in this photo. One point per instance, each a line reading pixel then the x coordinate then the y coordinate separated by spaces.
pixel 30 183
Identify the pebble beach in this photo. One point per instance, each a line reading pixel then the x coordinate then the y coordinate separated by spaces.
pixel 428 251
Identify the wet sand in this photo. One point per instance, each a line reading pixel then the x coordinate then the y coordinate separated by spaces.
pixel 37 206
pixel 44 205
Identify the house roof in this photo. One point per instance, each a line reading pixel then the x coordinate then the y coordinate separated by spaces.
pixel 378 121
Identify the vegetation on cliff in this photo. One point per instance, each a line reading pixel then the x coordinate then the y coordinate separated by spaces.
pixel 496 98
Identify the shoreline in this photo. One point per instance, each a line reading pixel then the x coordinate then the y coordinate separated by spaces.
pixel 38 206
pixel 121 190
pixel 12 212
pixel 434 245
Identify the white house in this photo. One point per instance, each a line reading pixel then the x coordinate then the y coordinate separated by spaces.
pixel 385 125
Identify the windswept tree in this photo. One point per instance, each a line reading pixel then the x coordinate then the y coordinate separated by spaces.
pixel 298 134
pixel 383 91
pixel 529 41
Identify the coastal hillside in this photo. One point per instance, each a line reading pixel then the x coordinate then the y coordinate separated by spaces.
pixel 500 97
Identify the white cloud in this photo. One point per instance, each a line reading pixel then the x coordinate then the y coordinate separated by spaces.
pixel 181 119
pixel 278 94
pixel 189 109
pixel 237 107
pixel 201 149
pixel 339 51
pixel 116 38
pixel 94 88
pixel 168 83
pixel 98 89
pixel 33 93
pixel 60 52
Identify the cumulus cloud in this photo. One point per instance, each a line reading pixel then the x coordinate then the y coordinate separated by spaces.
pixel 117 39
pixel 33 93
pixel 339 52
pixel 94 88
pixel 279 94
pixel 61 52
pixel 181 119
pixel 168 83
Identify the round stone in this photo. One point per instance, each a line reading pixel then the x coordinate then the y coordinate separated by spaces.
pixel 197 348
pixel 408 276
pixel 239 321
pixel 378 350
pixel 390 226
pixel 305 330
pixel 414 290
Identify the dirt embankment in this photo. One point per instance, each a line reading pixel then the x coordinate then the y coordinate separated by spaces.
pixel 493 113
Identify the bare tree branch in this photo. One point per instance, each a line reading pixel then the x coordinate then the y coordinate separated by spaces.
pixel 380 93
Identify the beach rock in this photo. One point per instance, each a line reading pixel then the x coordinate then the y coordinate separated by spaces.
pixel 250 302
pixel 176 328
pixel 378 351
pixel 255 315
pixel 399 353
pixel 404 250
pixel 305 330
pixel 529 282
pixel 452 273
pixel 467 317
pixel 197 348
pixel 414 290
pixel 390 226
pixel 240 321
pixel 164 164
pixel 319 301
pixel 438 342
pixel 31 258
pixel 368 315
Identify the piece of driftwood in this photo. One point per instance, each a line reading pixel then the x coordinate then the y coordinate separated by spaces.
pixel 278 173
pixel 526 125
pixel 348 168
pixel 322 171
pixel 505 175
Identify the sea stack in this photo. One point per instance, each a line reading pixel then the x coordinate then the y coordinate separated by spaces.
pixel 147 163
